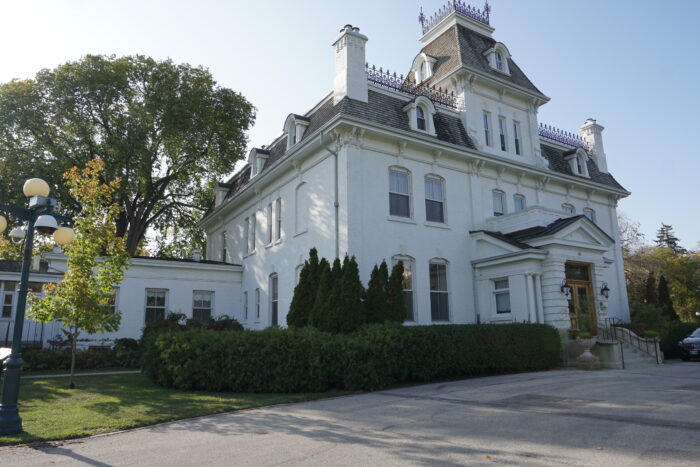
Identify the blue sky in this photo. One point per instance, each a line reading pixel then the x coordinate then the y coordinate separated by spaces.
pixel 632 65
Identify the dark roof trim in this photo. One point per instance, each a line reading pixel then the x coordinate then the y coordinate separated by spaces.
pixel 505 238
pixel 554 227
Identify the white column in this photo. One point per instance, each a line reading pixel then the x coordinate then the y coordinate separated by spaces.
pixel 531 312
pixel 538 297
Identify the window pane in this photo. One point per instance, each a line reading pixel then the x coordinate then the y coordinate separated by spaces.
pixel 408 300
pixel 438 277
pixel 498 203
pixel 399 205
pixel 433 189
pixel 518 203
pixel 434 211
pixel 202 315
pixel 398 182
pixel 501 284
pixel 503 302
pixel 577 272
pixel 438 306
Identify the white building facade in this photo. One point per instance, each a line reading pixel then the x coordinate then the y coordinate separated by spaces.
pixel 497 217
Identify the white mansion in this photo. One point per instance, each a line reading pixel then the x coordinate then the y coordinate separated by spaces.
pixel 497 217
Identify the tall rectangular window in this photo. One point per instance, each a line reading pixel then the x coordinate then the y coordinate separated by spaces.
pixel 439 308
pixel 487 128
pixel 499 203
pixel 407 285
pixel 501 293
pixel 8 299
pixel 223 246
pixel 202 301
pixel 245 305
pixel 518 203
pixel 246 234
pixel 156 303
pixel 257 303
pixel 269 223
pixel 434 199
pixel 399 193
pixel 502 132
pixel 253 224
pixel 274 299
pixel 278 217
pixel 516 137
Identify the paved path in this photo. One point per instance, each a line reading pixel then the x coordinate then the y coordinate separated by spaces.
pixel 645 416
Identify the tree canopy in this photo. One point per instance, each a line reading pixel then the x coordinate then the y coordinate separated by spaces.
pixel 167 130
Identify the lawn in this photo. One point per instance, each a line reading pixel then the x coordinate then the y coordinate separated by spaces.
pixel 101 404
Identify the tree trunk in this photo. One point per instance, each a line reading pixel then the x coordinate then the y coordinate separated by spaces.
pixel 72 356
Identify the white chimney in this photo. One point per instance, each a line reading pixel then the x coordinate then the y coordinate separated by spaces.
pixel 592 134
pixel 350 74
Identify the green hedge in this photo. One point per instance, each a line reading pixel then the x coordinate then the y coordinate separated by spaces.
pixel 677 331
pixel 376 356
pixel 45 359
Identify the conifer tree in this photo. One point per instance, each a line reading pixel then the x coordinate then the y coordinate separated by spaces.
pixel 305 292
pixel 396 311
pixel 652 297
pixel 665 302
pixel 376 302
pixel 349 309
pixel 665 238
pixel 319 312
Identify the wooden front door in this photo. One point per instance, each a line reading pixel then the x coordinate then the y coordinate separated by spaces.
pixel 582 302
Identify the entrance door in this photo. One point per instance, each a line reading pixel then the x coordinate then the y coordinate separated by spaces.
pixel 582 303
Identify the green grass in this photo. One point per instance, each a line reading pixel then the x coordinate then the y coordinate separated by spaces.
pixel 100 404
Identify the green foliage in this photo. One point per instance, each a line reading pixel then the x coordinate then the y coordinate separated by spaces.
pixel 665 238
pixel 319 313
pixel 376 356
pixel 677 331
pixel 93 358
pixel 376 302
pixel 350 310
pixel 167 130
pixel 665 301
pixel 652 296
pixel 305 292
pixel 649 318
pixel 396 311
pixel 127 352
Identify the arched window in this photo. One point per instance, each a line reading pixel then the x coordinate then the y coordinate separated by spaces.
pixel 408 268
pixel 499 203
pixel 420 118
pixel 434 199
pixel 499 61
pixel 399 192
pixel 568 208
pixel 439 298
pixel 590 214
pixel 518 202
pixel 301 208
pixel 274 300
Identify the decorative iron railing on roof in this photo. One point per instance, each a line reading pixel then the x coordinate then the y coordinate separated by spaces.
pixel 560 136
pixel 407 85
pixel 458 6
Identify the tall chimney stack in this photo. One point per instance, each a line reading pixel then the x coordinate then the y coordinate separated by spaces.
pixel 350 74
pixel 592 134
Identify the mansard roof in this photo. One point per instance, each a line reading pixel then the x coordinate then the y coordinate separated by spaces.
pixel 558 163
pixel 461 46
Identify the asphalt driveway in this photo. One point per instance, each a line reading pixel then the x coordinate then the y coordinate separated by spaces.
pixel 643 416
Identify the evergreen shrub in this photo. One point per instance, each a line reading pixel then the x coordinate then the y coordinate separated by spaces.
pixel 677 331
pixel 374 357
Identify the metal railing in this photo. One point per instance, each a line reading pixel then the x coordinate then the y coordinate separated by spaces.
pixel 612 330
pixel 32 334
pixel 407 85
pixel 482 16
pixel 556 135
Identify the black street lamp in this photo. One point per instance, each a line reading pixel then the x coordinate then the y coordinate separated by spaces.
pixel 39 216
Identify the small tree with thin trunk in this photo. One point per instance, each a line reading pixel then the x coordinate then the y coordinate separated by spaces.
pixel 96 261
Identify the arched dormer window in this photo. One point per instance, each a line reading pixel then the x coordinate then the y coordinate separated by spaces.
pixel 294 127
pixel 498 57
pixel 256 160
pixel 420 114
pixel 578 161
pixel 422 67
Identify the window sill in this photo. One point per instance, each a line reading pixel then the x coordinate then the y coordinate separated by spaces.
pixel 278 241
pixel 269 245
pixel 437 225
pixel 301 233
pixel 402 220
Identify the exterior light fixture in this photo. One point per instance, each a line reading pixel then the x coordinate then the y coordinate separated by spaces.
pixel 63 236
pixel 3 224
pixel 36 187
pixel 566 289
pixel 17 234
pixel 605 291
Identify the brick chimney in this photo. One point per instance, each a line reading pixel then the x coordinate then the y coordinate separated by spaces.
pixel 592 134
pixel 350 74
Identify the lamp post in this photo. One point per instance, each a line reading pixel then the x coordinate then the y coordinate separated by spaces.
pixel 39 218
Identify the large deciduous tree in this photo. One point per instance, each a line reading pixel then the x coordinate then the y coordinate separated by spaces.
pixel 167 130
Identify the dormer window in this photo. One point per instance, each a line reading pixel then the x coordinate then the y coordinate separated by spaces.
pixel 422 67
pixel 498 57
pixel 421 114
pixel 294 127
pixel 499 61
pixel 257 159
pixel 578 161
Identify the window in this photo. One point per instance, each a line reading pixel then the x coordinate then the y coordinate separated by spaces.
pixel 424 71
pixel 246 234
pixel 261 163
pixel 568 208
pixel 257 303
pixel 439 309
pixel 274 299
pixel 269 223
pixel 502 132
pixel 589 213
pixel 251 230
pixel 487 129
pixel 223 246
pixel 112 302
pixel 399 193
pixel 278 217
pixel 516 137
pixel 156 302
pixel 245 305
pixel 8 299
pixel 501 293
pixel 407 284
pixel 420 118
pixel 434 199
pixel 499 203
pixel 201 305
pixel 518 203
pixel 499 61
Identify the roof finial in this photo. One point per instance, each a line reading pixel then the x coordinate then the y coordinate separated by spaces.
pixel 421 18
pixel 487 10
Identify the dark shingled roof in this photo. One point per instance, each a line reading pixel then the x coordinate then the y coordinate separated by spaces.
pixel 461 46
pixel 7 265
pixel 505 238
pixel 556 160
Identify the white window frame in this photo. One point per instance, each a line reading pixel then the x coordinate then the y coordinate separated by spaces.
pixel 274 282
pixel 499 60
pixel 442 201
pixel 503 133
pixel 270 223
pixel 278 218
pixel 164 307
pixel 500 291
pixel 12 304
pixel 519 198
pixel 407 173
pixel 488 131
pixel 251 231
pixel 421 119
pixel 502 196
pixel 211 303
pixel 568 208
pixel 245 306
pixel 517 143
pixel 410 264
pixel 439 262
pixel 224 250
pixel 246 234
pixel 257 304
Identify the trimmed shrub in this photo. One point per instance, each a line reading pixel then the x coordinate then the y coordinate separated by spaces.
pixel 127 352
pixel 677 331
pixel 91 358
pixel 375 295
pixel 376 356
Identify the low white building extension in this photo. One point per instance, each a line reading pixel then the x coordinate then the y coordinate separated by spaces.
pixel 497 217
